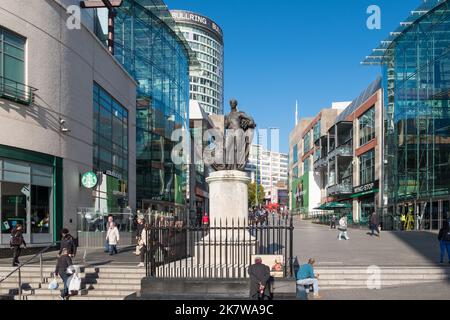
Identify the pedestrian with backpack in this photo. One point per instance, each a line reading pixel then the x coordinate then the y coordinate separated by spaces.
pixel 343 228
pixel 16 242
pixel 444 240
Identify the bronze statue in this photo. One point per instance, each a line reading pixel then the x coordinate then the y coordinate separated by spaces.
pixel 239 129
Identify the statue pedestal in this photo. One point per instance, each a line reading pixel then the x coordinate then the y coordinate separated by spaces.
pixel 229 242
pixel 228 193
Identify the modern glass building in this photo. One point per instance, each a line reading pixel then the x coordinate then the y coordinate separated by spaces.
pixel 416 67
pixel 205 37
pixel 148 46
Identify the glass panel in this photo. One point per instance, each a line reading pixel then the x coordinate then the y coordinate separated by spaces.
pixel 40 209
pixel 15 52
pixel 14 205
pixel 13 39
pixel 367 126
pixel 13 69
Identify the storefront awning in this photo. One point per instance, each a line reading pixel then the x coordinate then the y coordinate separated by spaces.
pixel 334 205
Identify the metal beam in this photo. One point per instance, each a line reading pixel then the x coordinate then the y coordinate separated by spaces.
pixel 90 4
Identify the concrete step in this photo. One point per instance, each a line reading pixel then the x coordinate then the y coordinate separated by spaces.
pixel 104 275
pixel 331 277
pixel 25 285
pixel 91 280
pixel 347 270
pixel 93 293
pixel 363 283
pixel 74 298
pixel 119 270
pixel 112 286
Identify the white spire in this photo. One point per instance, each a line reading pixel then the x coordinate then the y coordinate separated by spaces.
pixel 296 112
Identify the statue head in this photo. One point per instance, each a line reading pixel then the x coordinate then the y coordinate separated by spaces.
pixel 233 104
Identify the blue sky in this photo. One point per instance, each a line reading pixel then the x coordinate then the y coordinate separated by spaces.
pixel 280 51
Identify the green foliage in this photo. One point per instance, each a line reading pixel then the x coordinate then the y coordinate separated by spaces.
pixel 252 194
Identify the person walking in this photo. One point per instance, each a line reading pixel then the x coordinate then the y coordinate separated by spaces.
pixel 306 277
pixel 113 238
pixel 374 225
pixel 403 222
pixel 444 240
pixel 16 242
pixel 333 222
pixel 343 228
pixel 143 244
pixel 64 261
pixel 259 280
pixel 205 220
pixel 67 242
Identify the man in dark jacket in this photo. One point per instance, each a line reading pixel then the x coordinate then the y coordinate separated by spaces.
pixel 16 241
pixel 64 261
pixel 374 224
pixel 444 240
pixel 259 280
pixel 67 242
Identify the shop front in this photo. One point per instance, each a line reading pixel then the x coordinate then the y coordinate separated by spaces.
pixel 30 192
pixel 365 197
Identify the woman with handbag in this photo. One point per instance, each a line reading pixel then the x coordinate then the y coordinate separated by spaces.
pixel 64 261
pixel 343 229
pixel 16 241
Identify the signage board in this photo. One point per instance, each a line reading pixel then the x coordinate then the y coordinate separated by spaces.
pixel 89 180
pixel 276 264
pixel 366 187
pixel 196 19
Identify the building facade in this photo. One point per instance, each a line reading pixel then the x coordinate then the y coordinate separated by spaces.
pixel 269 169
pixel 305 186
pixel 205 37
pixel 416 80
pixel 149 47
pixel 67 122
pixel 349 161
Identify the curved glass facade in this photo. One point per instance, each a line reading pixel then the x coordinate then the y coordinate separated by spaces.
pixel 157 58
pixel 206 87
pixel 417 77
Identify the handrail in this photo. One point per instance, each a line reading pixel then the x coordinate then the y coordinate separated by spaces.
pixel 27 262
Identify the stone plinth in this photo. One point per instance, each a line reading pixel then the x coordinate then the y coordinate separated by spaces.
pixel 228 194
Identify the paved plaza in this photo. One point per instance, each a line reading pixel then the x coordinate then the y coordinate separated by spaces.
pixel 391 249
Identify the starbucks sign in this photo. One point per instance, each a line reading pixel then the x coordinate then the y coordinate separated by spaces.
pixel 89 180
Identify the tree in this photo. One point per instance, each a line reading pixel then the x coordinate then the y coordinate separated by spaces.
pixel 252 194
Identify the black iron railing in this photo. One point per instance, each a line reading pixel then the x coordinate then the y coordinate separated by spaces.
pixel 29 261
pixel 16 91
pixel 224 249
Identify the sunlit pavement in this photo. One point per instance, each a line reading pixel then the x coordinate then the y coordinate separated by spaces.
pixel 391 249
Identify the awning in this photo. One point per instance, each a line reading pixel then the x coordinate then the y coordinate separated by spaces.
pixel 334 205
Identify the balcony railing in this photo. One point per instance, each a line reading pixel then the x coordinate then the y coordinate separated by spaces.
pixel 16 91
pixel 342 188
pixel 320 164
pixel 342 151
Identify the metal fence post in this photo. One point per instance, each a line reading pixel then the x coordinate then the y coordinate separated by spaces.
pixel 40 268
pixel 20 285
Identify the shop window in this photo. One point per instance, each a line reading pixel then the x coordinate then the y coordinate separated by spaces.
pixel 367 167
pixel 367 127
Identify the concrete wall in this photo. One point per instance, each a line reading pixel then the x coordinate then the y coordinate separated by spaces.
pixel 63 64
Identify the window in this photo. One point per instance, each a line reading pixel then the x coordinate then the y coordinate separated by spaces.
pixel 295 154
pixel 367 168
pixel 307 165
pixel 307 143
pixel 12 64
pixel 317 131
pixel 295 172
pixel 367 127
pixel 110 134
